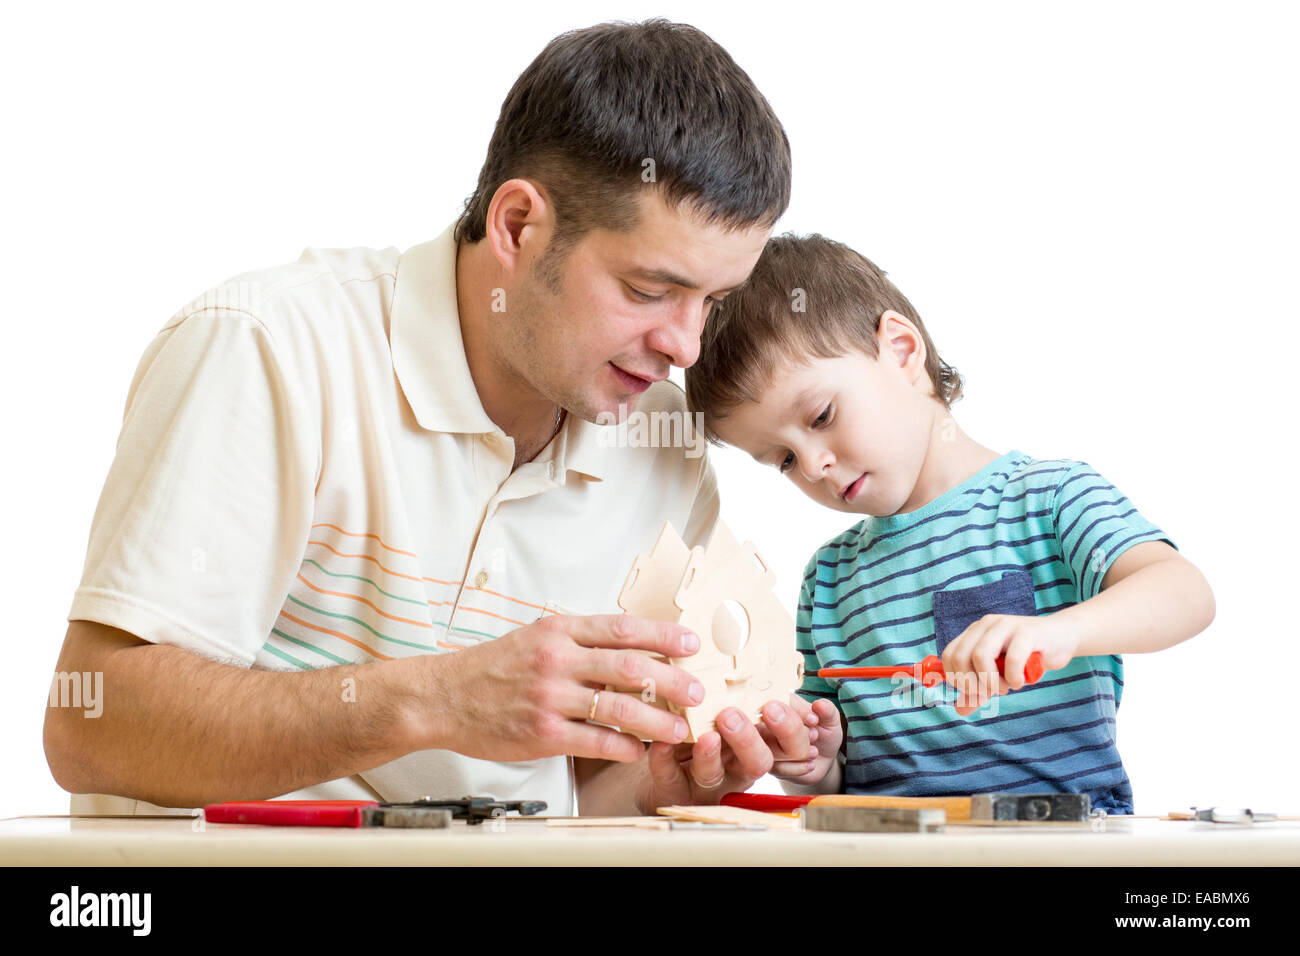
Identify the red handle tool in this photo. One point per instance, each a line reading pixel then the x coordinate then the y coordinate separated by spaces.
pixel 765 802
pixel 295 813
pixel 931 670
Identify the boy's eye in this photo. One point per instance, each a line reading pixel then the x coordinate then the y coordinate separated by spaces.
pixel 786 462
pixel 821 419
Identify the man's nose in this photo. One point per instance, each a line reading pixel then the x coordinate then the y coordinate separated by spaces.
pixel 678 336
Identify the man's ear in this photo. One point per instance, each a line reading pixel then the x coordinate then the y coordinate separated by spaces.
pixel 520 221
pixel 900 339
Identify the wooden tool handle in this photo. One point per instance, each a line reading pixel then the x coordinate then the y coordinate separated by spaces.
pixel 957 808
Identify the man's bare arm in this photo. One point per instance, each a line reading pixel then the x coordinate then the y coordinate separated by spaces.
pixel 179 730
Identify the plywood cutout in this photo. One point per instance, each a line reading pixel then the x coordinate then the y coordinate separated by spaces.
pixel 723 593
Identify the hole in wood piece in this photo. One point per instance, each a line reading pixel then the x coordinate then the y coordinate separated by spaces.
pixel 730 627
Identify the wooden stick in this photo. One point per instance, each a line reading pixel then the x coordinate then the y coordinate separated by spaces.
pixel 957 808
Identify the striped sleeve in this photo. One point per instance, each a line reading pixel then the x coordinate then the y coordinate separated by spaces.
pixel 1095 524
pixel 813 687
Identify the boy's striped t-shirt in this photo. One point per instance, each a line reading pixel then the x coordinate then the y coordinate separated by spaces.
pixel 1021 536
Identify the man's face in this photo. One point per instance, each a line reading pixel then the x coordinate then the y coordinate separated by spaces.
pixel 623 307
pixel 851 432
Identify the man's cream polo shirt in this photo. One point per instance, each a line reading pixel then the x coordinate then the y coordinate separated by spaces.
pixel 305 477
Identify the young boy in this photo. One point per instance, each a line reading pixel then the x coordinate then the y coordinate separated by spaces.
pixel 820 367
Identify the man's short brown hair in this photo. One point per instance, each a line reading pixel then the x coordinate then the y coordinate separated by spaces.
pixel 807 296
pixel 604 114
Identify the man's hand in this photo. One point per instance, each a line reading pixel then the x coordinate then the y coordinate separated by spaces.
pixel 969 662
pixel 528 694
pixel 719 762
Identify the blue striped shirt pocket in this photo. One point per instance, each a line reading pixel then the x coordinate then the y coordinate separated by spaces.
pixel 959 608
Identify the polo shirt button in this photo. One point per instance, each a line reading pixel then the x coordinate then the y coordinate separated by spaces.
pixel 480 579
pixel 550 469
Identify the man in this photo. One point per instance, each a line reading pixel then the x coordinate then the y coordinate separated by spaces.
pixel 355 497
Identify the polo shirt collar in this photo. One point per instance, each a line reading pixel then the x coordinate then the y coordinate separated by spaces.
pixel 585 447
pixel 428 350
pixel 429 360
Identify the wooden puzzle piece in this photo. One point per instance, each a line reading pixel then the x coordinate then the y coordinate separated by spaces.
pixel 723 593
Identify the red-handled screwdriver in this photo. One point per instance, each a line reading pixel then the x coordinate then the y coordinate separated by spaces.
pixel 931 670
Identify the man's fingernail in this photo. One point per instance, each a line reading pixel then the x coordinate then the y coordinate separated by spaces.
pixel 731 721
pixel 690 643
pixel 775 714
pixel 696 692
pixel 681 730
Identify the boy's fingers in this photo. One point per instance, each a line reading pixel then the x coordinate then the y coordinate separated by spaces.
pixel 984 658
pixel 792 769
pixel 1018 651
pixel 956 656
pixel 789 730
pixel 830 728
pixel 828 715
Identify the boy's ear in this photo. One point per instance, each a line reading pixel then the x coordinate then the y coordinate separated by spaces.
pixel 899 338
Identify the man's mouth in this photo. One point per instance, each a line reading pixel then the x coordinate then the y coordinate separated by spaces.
pixel 851 491
pixel 635 381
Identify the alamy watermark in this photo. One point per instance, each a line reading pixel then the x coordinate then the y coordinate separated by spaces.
pixel 79 689
pixel 653 430
pixel 910 692
pixel 76 908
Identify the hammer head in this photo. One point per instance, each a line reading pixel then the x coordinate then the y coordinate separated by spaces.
pixel 1054 807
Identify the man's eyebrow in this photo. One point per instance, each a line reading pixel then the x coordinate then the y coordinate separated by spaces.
pixel 669 278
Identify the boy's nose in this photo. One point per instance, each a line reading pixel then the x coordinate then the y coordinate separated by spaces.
pixel 819 466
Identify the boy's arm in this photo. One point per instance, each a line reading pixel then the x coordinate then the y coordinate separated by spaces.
pixel 1151 598
pixel 1136 594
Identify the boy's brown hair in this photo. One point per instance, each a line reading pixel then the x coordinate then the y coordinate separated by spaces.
pixel 807 296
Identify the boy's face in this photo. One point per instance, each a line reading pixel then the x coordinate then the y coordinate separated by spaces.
pixel 851 432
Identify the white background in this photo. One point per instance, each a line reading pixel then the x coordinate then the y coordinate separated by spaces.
pixel 1093 206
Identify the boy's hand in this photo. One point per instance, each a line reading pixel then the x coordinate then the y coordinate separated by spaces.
pixel 825 735
pixel 969 662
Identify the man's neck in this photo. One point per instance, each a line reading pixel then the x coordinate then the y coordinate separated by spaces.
pixel 514 406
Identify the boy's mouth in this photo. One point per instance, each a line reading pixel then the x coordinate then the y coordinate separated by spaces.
pixel 851 492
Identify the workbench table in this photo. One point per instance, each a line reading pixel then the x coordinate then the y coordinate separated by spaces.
pixel 186 841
